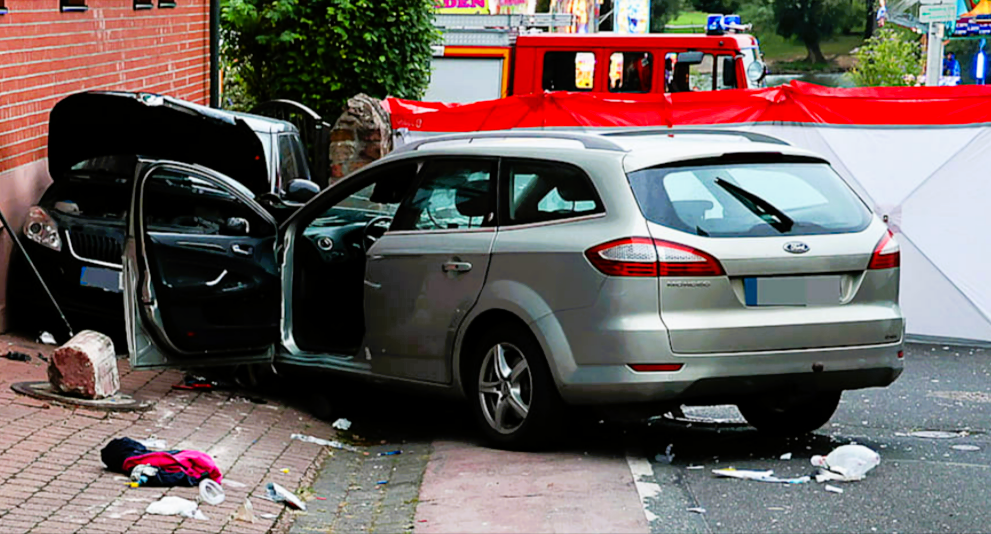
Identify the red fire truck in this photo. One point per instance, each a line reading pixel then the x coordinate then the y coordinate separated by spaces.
pixel 486 57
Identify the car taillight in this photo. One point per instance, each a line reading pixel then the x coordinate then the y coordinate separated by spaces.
pixel 656 367
pixel 887 254
pixel 642 256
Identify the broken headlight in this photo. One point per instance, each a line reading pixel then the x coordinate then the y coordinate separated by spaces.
pixel 42 229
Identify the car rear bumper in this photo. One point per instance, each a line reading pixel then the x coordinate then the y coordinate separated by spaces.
pixel 728 378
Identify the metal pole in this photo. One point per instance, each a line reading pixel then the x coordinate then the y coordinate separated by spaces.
pixel 215 53
pixel 934 54
pixel 17 241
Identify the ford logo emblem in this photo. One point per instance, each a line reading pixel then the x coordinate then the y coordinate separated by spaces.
pixel 796 247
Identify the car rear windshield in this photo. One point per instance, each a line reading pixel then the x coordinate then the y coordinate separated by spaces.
pixel 749 199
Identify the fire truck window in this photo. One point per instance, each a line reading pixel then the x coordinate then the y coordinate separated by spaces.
pixel 630 72
pixel 683 77
pixel 569 71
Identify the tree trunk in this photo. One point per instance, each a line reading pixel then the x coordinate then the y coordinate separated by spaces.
pixel 815 53
pixel 869 21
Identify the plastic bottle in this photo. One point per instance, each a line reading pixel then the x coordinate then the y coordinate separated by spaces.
pixel 851 461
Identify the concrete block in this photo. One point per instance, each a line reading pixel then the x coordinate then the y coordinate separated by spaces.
pixel 86 366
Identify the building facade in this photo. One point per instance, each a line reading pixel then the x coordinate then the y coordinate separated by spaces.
pixel 52 48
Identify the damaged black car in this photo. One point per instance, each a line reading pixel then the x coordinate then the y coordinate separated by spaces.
pixel 75 234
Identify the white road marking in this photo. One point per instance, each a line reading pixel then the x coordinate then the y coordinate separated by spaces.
pixel 642 473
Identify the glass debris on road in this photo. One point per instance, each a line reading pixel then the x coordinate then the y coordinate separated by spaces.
pixel 760 476
pixel 342 424
pixel 325 442
pixel 277 493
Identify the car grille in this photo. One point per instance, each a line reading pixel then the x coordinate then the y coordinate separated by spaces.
pixel 94 247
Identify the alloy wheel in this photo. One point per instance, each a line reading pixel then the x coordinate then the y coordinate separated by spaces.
pixel 505 388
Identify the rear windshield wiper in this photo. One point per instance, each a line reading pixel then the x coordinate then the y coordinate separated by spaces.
pixel 760 207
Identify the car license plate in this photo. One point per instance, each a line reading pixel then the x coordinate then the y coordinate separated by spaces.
pixel 792 291
pixel 105 279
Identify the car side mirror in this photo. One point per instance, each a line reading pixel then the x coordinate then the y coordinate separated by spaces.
pixel 300 190
pixel 729 72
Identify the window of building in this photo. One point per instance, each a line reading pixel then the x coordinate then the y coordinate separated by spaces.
pixel 143 4
pixel 630 72
pixel 3 7
pixel 452 195
pixel 542 192
pixel 166 4
pixel 72 5
pixel 569 71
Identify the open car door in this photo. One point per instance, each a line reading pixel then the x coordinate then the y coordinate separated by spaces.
pixel 201 279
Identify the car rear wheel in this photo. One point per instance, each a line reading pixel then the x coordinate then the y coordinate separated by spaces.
pixel 791 415
pixel 513 396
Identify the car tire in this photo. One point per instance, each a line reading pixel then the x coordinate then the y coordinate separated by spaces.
pixel 791 416
pixel 515 404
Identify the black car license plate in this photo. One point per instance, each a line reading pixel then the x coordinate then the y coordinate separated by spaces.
pixel 105 279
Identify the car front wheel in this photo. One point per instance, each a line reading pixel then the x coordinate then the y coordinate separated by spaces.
pixel 791 415
pixel 512 394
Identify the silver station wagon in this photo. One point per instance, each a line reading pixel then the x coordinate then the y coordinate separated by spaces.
pixel 527 271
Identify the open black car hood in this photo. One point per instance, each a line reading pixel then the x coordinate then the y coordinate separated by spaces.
pixel 93 124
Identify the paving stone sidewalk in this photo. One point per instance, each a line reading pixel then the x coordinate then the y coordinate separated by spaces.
pixel 53 481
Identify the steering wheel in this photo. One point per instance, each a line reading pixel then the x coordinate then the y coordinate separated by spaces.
pixel 367 238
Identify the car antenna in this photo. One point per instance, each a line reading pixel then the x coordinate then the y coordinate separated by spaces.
pixel 17 241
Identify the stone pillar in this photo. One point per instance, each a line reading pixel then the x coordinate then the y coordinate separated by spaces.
pixel 361 135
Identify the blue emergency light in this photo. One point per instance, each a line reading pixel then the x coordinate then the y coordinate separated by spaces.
pixel 720 24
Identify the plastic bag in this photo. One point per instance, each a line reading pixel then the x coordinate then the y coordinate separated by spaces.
pixel 851 462
pixel 175 506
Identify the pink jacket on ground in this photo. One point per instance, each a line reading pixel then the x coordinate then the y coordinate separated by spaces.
pixel 193 463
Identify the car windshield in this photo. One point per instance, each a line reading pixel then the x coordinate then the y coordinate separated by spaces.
pixel 751 56
pixel 749 199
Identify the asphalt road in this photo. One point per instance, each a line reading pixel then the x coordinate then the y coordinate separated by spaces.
pixel 921 485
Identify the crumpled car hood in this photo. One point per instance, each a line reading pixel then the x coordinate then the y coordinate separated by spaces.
pixel 93 124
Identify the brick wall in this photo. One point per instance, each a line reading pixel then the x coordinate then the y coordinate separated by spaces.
pixel 46 54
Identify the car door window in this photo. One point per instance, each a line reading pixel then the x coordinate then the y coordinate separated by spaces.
pixel 542 191
pixel 292 160
pixel 451 195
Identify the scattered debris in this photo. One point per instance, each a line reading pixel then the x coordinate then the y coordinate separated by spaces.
pixel 268 516
pixel 245 512
pixel 285 471
pixel 851 462
pixel 233 483
pixel 786 456
pixel 319 498
pixel 697 510
pixel 277 493
pixel 937 434
pixel 342 424
pixel 382 482
pixel 211 492
pixel 17 356
pixel 326 443
pixel 694 467
pixel 969 448
pixel 47 338
pixel 390 453
pixel 172 505
pixel 760 476
pixel 141 473
pixel 833 489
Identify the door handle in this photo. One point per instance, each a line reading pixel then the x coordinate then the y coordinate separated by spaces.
pixel 456 267
pixel 242 250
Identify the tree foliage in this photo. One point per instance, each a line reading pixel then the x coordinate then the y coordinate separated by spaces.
pixel 886 59
pixel 322 52
pixel 809 21
pixel 661 12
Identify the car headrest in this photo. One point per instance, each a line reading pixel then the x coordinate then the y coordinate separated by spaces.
pixel 574 189
pixel 472 198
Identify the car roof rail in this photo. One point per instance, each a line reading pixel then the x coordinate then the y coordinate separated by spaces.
pixel 750 136
pixel 588 140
